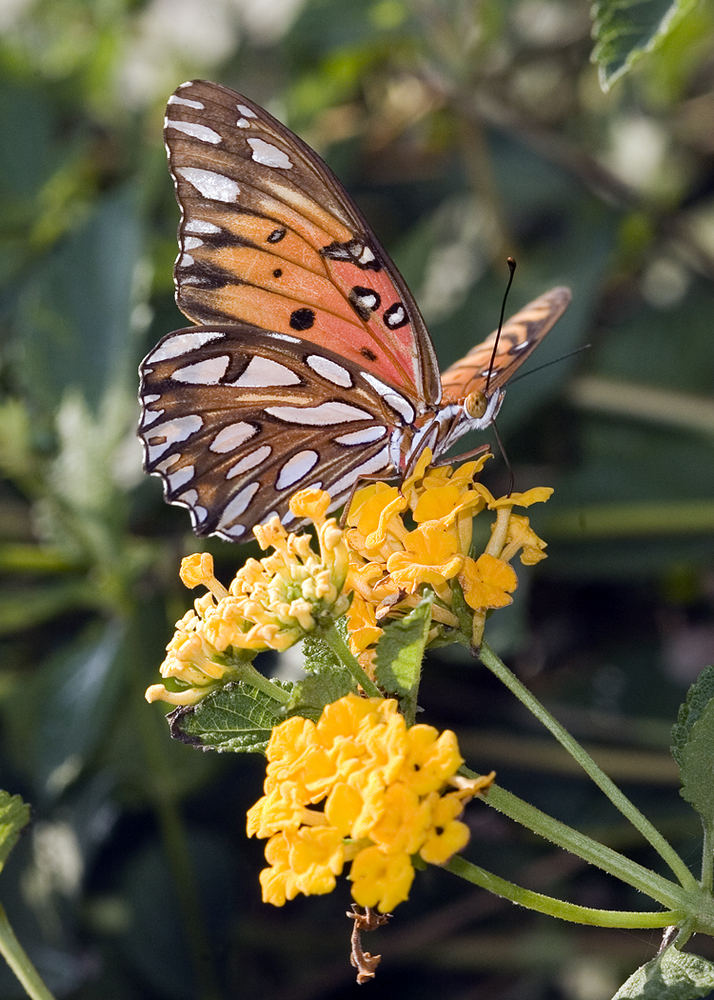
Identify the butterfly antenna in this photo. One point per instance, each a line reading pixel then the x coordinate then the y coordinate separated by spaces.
pixel 512 269
pixel 506 462
pixel 547 364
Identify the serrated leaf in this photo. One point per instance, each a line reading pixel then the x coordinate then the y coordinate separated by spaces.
pixel 14 815
pixel 698 697
pixel 328 678
pixel 310 696
pixel 673 975
pixel 624 30
pixel 400 652
pixel 317 654
pixel 697 765
pixel 238 718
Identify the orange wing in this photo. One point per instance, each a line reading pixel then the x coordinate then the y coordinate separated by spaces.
pixel 269 237
pixel 520 335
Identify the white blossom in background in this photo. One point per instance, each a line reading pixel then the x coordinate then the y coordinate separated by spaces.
pixel 177 38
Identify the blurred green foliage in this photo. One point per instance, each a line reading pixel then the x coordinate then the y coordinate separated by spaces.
pixel 466 131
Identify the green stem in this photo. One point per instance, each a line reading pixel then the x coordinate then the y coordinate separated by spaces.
pixel 708 856
pixel 605 784
pixel 334 639
pixel 558 907
pixel 16 957
pixel 667 893
pixel 247 673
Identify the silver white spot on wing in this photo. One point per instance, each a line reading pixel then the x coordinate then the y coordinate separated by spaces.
pixel 245 110
pixel 185 260
pixel 296 468
pixel 189 498
pixel 165 464
pixel 235 531
pixel 181 343
pixel 207 372
pixel 250 461
pixel 282 336
pixel 231 437
pixel 171 431
pixel 216 187
pixel 175 99
pixel 366 257
pixel 268 154
pixel 391 397
pixel 200 226
pixel 198 515
pixel 262 372
pixel 330 370
pixel 366 436
pixel 180 478
pixel 332 412
pixel 150 417
pixel 238 505
pixel 243 123
pixel 191 242
pixel 201 132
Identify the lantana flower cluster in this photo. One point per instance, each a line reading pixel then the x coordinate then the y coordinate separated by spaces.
pixel 422 534
pixel 358 786
pixel 270 604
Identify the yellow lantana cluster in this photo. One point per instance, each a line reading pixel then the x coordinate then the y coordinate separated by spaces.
pixel 271 603
pixel 391 560
pixel 358 786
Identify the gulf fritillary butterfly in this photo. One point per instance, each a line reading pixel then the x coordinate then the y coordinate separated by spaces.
pixel 309 363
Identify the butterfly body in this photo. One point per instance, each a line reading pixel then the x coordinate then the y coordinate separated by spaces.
pixel 309 362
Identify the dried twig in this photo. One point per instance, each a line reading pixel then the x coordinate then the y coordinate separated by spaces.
pixel 368 920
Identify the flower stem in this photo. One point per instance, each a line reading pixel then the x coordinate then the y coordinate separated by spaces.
pixel 247 672
pixel 16 957
pixel 605 784
pixel 665 892
pixel 558 907
pixel 335 640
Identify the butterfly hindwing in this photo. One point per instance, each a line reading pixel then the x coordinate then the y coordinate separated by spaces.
pixel 237 419
pixel 519 336
pixel 270 238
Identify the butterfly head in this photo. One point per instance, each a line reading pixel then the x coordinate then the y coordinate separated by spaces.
pixel 481 409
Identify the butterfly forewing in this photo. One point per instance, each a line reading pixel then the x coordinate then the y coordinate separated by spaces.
pixel 237 419
pixel 519 336
pixel 269 237
pixel 310 363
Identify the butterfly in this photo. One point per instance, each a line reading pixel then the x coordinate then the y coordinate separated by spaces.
pixel 309 363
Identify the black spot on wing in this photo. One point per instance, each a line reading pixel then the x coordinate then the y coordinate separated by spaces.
pixel 302 319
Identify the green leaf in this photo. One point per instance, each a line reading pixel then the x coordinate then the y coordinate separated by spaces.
pixel 697 765
pixel 318 656
pixel 624 30
pixel 329 679
pixel 673 975
pixel 310 696
pixel 14 815
pixel 698 697
pixel 238 718
pixel 400 652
